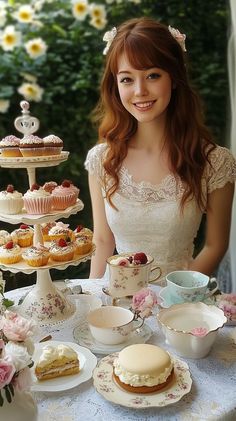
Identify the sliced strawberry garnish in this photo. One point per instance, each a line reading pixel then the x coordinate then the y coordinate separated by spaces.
pixel 66 183
pixel 9 245
pixel 10 188
pixel 79 228
pixel 34 186
pixel 140 258
pixel 24 226
pixel 62 242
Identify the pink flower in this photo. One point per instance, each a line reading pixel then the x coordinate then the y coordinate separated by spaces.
pixel 15 327
pixel 7 371
pixel 199 331
pixel 144 301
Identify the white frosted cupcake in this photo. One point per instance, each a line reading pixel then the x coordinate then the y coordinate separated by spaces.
pixel 31 146
pixel 10 253
pixel 62 250
pixel 37 201
pixel 36 255
pixel 5 237
pixel 11 201
pixel 9 146
pixel 53 145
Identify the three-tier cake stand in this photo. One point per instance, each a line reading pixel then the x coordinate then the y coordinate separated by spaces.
pixel 45 302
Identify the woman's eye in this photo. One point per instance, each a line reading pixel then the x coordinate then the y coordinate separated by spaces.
pixel 126 80
pixel 154 76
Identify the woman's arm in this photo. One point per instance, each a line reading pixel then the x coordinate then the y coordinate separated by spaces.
pixel 103 237
pixel 217 230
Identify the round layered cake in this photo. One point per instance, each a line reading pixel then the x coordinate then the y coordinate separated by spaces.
pixel 143 368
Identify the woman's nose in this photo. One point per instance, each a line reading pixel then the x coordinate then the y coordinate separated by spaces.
pixel 141 88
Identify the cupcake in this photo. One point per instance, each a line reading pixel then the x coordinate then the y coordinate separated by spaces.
pixel 60 230
pixel 5 237
pixel 61 250
pixel 31 146
pixel 9 146
pixel 10 253
pixel 23 236
pixel 11 201
pixel 83 244
pixel 64 195
pixel 45 227
pixel 37 201
pixel 81 231
pixel 49 186
pixel 53 145
pixel 36 255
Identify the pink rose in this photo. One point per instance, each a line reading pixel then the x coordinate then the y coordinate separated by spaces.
pixel 7 371
pixel 143 302
pixel 15 327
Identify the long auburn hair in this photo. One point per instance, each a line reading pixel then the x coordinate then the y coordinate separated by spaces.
pixel 147 44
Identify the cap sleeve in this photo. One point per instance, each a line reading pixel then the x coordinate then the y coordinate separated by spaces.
pixel 221 169
pixel 94 160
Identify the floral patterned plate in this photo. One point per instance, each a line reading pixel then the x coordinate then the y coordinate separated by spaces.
pixel 83 336
pixel 110 390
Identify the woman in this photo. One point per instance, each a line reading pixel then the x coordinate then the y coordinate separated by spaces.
pixel 156 169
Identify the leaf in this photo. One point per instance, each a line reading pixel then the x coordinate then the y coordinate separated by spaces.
pixel 11 389
pixel 8 394
pixel 1 399
pixel 7 303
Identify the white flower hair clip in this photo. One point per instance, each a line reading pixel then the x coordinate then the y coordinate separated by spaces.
pixel 180 38
pixel 108 38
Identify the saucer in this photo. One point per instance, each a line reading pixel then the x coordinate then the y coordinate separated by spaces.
pixel 105 384
pixel 83 337
pixel 168 300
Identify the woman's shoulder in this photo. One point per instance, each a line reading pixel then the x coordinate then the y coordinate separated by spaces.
pixel 220 168
pixel 94 159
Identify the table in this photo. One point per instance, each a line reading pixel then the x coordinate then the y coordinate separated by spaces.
pixel 212 397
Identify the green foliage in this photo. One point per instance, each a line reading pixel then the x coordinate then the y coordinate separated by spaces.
pixel 70 71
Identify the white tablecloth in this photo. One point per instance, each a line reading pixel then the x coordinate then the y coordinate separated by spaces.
pixel 212 397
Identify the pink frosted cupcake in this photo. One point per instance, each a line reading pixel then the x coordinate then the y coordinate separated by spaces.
pixel 37 201
pixel 49 186
pixel 11 201
pixel 9 146
pixel 53 145
pixel 31 146
pixel 64 195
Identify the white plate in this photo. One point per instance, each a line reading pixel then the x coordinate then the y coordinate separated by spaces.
pixel 33 161
pixel 83 336
pixel 87 360
pixel 105 384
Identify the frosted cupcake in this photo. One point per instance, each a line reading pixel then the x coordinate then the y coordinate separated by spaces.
pixel 5 237
pixel 80 231
pixel 49 186
pixel 83 245
pixel 53 145
pixel 46 228
pixel 60 230
pixel 10 253
pixel 31 146
pixel 23 236
pixel 64 195
pixel 11 201
pixel 62 250
pixel 9 146
pixel 36 255
pixel 37 201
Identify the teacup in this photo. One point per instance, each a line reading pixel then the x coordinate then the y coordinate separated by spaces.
pixel 112 325
pixel 127 280
pixel 190 286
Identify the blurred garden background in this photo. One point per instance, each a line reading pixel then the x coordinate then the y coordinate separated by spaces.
pixel 51 55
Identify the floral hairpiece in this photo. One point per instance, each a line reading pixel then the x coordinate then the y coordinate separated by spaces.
pixel 180 38
pixel 108 38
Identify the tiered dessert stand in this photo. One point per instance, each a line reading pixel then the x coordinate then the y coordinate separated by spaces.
pixel 44 303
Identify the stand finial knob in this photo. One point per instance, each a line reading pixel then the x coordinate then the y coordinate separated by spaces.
pixel 26 124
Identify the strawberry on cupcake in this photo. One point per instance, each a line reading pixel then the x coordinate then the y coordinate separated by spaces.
pixel 37 200
pixel 65 195
pixel 11 201
pixel 10 253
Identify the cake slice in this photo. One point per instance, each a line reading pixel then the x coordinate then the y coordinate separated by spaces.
pixel 57 361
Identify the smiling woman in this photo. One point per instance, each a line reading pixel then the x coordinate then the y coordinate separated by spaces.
pixel 156 169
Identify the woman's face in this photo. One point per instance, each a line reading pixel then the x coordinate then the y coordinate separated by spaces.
pixel 144 93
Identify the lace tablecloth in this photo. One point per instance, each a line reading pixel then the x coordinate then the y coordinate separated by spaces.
pixel 212 396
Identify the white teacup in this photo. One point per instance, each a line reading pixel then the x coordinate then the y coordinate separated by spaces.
pixel 112 325
pixel 190 286
pixel 127 280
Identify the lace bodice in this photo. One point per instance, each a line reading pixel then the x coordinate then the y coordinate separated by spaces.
pixel 149 218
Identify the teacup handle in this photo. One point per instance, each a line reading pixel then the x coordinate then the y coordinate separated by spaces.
pixel 212 290
pixel 156 277
pixel 139 323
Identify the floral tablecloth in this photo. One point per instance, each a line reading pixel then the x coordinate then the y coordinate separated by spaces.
pixel 212 396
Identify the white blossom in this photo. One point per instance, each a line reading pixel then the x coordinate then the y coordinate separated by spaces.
pixel 10 38
pixel 36 47
pixel 31 91
pixel 3 17
pixel 80 9
pixel 24 14
pixel 98 23
pixel 97 11
pixel 18 355
pixel 4 105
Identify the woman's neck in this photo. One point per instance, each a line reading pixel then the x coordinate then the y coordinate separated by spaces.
pixel 149 136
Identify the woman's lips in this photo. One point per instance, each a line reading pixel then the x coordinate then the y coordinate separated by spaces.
pixel 143 105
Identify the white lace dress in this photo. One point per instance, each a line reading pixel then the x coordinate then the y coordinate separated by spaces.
pixel 149 218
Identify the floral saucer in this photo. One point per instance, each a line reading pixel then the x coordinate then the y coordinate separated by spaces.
pixel 105 384
pixel 168 301
pixel 83 337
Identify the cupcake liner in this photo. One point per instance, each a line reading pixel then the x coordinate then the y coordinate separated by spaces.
pixel 9 260
pixel 38 206
pixel 52 150
pixel 32 151
pixel 63 202
pixel 11 206
pixel 11 152
pixel 37 261
pixel 62 257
